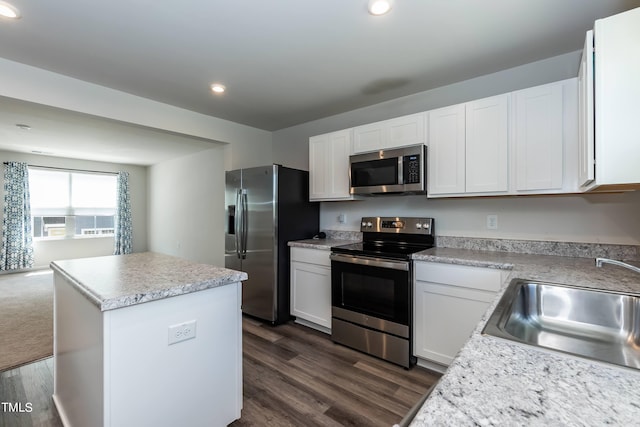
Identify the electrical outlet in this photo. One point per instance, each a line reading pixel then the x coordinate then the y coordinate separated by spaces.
pixel 182 331
pixel 492 222
pixel 342 218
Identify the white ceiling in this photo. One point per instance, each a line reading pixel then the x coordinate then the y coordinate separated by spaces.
pixel 286 62
pixel 63 133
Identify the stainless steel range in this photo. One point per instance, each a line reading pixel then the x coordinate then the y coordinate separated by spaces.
pixel 371 292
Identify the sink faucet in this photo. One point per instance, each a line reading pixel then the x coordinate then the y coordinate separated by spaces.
pixel 600 261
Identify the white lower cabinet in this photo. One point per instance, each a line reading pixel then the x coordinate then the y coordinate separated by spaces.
pixel 311 288
pixel 449 301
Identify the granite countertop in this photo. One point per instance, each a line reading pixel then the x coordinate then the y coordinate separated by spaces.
pixel 497 382
pixel 117 281
pixel 321 244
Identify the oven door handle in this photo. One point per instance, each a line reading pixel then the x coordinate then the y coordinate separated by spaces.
pixel 371 262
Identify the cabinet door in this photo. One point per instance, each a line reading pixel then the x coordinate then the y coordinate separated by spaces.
pixel 449 302
pixel 446 158
pixel 586 171
pixel 368 138
pixel 339 152
pixel 398 132
pixel 329 166
pixel 538 138
pixel 406 130
pixel 445 316
pixel 487 141
pixel 617 99
pixel 311 293
pixel 318 166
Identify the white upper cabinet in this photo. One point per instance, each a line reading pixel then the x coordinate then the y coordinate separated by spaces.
pixel 487 145
pixel 329 166
pixel 617 103
pixel 446 151
pixel 586 147
pixel 538 138
pixel 468 148
pixel 523 142
pixel 544 157
pixel 398 132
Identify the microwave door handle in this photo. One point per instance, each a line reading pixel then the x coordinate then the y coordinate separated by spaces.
pixel 400 171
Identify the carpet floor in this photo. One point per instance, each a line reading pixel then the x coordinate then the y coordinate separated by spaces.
pixel 26 317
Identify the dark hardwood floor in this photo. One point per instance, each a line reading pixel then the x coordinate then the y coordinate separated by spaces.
pixel 293 376
pixel 33 384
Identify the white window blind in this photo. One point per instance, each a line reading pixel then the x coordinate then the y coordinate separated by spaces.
pixel 71 204
pixel 67 193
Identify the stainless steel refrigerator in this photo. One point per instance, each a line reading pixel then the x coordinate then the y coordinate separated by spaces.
pixel 266 207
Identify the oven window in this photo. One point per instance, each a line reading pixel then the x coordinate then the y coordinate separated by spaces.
pixel 379 292
pixel 374 172
pixel 375 295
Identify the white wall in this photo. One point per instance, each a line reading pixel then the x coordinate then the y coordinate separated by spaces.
pixel 594 218
pixel 598 218
pixel 186 207
pixel 46 251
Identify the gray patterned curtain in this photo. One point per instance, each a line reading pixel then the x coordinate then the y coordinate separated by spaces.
pixel 17 248
pixel 123 232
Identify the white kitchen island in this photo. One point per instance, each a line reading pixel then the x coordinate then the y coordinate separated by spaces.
pixel 114 320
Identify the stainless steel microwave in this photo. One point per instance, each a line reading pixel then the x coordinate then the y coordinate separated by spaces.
pixel 395 171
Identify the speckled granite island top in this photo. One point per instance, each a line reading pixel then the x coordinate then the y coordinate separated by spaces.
pixel 497 382
pixel 116 281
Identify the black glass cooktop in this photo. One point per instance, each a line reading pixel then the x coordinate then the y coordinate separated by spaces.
pixel 382 250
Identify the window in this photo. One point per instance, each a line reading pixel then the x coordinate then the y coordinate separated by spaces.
pixel 71 204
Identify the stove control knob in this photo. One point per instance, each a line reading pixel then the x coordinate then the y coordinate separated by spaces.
pixel 418 226
pixel 369 225
pixel 364 224
pixel 425 225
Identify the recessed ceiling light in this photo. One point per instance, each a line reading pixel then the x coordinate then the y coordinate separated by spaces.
pixel 218 88
pixel 23 126
pixel 379 7
pixel 9 11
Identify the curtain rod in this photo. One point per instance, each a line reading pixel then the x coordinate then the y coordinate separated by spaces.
pixel 69 169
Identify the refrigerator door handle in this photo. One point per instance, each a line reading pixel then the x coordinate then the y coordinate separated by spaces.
pixel 237 222
pixel 245 224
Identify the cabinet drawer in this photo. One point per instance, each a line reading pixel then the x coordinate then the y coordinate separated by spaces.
pixel 311 256
pixel 458 293
pixel 487 279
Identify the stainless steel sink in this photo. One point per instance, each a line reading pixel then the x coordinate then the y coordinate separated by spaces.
pixel 598 325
